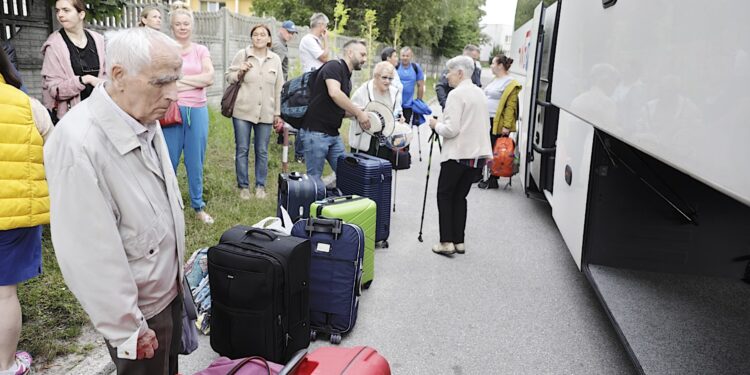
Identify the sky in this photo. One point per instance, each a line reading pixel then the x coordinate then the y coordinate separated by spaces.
pixel 499 12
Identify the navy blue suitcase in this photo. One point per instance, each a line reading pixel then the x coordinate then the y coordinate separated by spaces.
pixel 368 176
pixel 335 274
pixel 296 192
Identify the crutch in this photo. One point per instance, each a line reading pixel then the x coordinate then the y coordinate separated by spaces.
pixel 433 137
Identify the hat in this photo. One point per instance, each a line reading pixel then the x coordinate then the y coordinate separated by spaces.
pixel 381 118
pixel 289 26
pixel 419 109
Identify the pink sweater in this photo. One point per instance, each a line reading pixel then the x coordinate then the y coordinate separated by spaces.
pixel 60 86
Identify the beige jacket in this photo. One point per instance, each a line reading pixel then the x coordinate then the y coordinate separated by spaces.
pixel 464 125
pixel 107 230
pixel 259 98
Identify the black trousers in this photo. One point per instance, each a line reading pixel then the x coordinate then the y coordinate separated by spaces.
pixel 168 328
pixel 407 112
pixel 454 184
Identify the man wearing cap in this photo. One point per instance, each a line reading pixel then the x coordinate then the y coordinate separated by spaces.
pixel 279 47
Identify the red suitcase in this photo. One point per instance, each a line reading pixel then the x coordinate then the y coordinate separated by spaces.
pixel 358 360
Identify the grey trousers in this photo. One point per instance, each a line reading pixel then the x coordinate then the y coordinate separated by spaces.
pixel 168 328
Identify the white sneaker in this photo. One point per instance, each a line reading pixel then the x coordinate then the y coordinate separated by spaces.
pixel 204 217
pixel 260 192
pixel 245 193
pixel 444 248
pixel 460 248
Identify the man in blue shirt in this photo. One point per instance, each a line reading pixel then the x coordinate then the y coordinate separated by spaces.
pixel 412 77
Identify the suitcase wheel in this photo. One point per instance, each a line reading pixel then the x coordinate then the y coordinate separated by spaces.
pixel 313 335
pixel 335 339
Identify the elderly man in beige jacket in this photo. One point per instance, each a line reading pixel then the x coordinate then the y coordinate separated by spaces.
pixel 116 210
pixel 465 151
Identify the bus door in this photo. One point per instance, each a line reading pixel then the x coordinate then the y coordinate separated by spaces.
pixel 543 116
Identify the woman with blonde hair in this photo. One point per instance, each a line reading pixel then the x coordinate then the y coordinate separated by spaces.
pixel 73 60
pixel 192 135
pixel 257 108
pixel 379 89
pixel 150 17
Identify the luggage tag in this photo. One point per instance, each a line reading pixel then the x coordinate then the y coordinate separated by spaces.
pixel 323 247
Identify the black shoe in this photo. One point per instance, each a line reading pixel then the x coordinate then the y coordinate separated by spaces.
pixel 489 184
pixel 300 159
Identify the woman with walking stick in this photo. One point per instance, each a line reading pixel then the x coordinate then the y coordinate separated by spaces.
pixel 465 151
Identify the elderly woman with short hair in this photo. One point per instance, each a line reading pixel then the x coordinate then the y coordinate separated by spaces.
pixel 378 89
pixel 466 150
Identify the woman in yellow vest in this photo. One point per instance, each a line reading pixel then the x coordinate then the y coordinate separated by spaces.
pixel 502 103
pixel 24 207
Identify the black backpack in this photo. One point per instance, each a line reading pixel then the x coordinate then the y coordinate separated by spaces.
pixel 295 97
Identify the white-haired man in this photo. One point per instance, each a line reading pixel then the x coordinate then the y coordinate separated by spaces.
pixel 313 47
pixel 118 226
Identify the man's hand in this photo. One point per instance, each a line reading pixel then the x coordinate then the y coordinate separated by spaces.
pixel 147 345
pixel 506 131
pixel 364 120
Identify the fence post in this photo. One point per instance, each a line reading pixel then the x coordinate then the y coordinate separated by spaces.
pixel 225 45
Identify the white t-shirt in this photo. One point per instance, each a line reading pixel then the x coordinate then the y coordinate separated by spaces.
pixel 310 48
pixel 494 91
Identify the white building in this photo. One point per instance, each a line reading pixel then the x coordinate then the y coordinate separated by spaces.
pixel 500 35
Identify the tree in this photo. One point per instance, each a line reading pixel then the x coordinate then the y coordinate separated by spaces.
pixel 340 18
pixel 100 9
pixel 396 28
pixel 525 10
pixel 370 32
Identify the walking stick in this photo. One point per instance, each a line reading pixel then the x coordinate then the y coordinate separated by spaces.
pixel 285 152
pixel 434 136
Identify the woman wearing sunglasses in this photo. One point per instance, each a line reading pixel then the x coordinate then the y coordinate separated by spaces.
pixel 381 89
pixel 73 59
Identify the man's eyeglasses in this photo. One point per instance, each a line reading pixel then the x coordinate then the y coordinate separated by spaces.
pixel 386 78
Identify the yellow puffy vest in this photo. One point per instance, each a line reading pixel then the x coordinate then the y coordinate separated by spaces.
pixel 24 199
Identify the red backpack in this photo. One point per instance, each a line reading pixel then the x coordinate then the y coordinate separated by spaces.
pixel 503 157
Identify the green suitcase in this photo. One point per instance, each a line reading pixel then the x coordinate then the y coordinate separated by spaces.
pixel 359 211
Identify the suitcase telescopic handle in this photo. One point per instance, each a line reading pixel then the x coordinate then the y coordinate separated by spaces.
pixel 323 225
pixel 270 235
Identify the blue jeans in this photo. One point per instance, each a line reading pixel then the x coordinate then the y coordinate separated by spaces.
pixel 242 130
pixel 192 137
pixel 318 148
pixel 299 150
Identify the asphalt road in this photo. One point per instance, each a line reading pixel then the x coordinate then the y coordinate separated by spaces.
pixel 515 303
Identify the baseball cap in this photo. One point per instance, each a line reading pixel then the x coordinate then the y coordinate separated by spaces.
pixel 289 26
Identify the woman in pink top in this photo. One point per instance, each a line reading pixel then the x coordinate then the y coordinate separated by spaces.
pixel 73 60
pixel 192 135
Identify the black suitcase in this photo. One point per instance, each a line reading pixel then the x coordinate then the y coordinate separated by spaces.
pixel 260 294
pixel 368 176
pixel 296 192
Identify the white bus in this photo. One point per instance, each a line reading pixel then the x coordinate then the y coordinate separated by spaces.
pixel 635 127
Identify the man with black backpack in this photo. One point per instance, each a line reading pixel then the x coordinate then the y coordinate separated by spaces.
pixel 329 103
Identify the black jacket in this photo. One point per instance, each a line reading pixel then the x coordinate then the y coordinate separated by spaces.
pixel 442 88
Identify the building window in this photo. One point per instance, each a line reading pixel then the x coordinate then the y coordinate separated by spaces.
pixel 212 6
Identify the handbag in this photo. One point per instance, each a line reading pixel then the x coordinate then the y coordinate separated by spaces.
pixel 172 117
pixel 230 96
